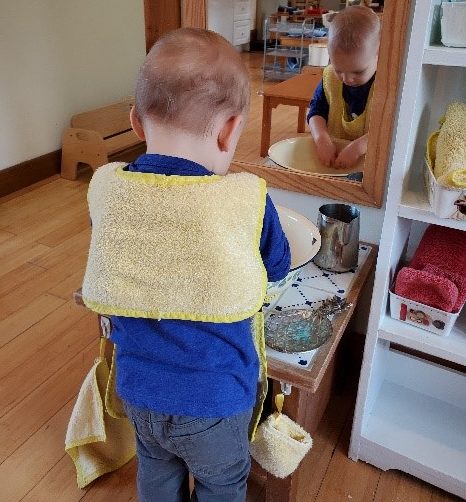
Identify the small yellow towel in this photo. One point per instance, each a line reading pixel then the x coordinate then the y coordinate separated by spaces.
pixel 449 164
pixel 279 445
pixel 97 442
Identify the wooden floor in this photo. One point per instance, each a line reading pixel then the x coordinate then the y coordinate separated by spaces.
pixel 47 345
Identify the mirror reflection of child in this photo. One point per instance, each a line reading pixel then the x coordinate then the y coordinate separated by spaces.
pixel 340 107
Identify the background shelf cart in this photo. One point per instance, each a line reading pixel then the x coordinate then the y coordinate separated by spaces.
pixel 284 60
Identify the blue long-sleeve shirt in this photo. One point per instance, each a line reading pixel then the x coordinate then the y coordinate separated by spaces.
pixel 354 97
pixel 190 367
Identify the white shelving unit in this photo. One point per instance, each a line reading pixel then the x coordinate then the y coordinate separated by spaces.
pixel 411 408
pixel 230 18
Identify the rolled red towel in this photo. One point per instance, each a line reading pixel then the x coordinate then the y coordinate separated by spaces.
pixel 443 247
pixel 426 288
pixel 457 279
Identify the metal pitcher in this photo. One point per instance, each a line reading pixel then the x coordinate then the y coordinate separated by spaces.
pixel 339 230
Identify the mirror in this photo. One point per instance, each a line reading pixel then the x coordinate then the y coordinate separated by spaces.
pixel 370 190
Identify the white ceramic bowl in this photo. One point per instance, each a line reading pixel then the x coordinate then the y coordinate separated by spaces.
pixel 304 239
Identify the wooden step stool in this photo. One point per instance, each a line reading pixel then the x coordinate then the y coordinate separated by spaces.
pixel 95 135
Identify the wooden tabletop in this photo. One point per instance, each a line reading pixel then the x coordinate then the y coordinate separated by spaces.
pixel 301 86
pixel 296 42
pixel 310 378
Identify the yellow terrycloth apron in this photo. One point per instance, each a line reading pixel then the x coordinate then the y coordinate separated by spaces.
pixel 178 247
pixel 339 123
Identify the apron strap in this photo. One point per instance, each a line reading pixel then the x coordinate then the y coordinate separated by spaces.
pixel 259 343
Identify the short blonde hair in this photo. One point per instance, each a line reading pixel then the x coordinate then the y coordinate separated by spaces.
pixel 191 76
pixel 352 28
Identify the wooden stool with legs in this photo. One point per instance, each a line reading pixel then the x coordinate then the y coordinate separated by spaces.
pixel 95 135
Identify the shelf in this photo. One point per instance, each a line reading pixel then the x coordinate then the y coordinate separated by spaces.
pixel 445 56
pixel 418 422
pixel 415 206
pixel 421 428
pixel 280 29
pixel 286 53
pixel 296 29
pixel 451 348
pixel 278 74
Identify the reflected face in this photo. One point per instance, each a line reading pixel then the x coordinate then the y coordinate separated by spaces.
pixel 356 67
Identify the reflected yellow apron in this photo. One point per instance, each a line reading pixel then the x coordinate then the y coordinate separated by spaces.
pixel 339 123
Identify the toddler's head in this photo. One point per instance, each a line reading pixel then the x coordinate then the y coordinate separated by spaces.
pixel 189 79
pixel 353 44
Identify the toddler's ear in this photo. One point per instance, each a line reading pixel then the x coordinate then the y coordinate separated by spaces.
pixel 229 131
pixel 136 124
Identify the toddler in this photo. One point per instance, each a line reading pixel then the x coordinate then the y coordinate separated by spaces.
pixel 341 103
pixel 180 256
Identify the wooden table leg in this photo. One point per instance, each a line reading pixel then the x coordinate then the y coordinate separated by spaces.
pixel 302 119
pixel 266 125
pixel 318 401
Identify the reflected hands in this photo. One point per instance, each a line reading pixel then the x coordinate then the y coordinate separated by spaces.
pixel 326 150
pixel 349 156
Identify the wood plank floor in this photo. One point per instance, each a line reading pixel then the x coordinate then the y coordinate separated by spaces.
pixel 47 345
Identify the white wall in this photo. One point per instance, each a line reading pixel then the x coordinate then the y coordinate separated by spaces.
pixel 60 57
pixel 252 10
pixel 263 9
pixel 370 219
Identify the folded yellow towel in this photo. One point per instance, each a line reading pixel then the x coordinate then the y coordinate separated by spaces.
pixel 175 247
pixel 450 148
pixel 97 442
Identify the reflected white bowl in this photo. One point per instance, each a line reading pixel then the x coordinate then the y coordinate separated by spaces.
pixel 300 154
pixel 304 239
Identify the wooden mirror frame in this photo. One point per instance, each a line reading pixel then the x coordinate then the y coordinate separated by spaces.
pixel 369 192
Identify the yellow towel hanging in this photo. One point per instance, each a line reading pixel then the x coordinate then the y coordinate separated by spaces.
pixel 280 443
pixel 96 441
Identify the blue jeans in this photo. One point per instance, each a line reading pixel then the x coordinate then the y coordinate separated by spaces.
pixel 214 450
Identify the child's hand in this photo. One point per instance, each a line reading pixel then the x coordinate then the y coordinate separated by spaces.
pixel 350 154
pixel 326 150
